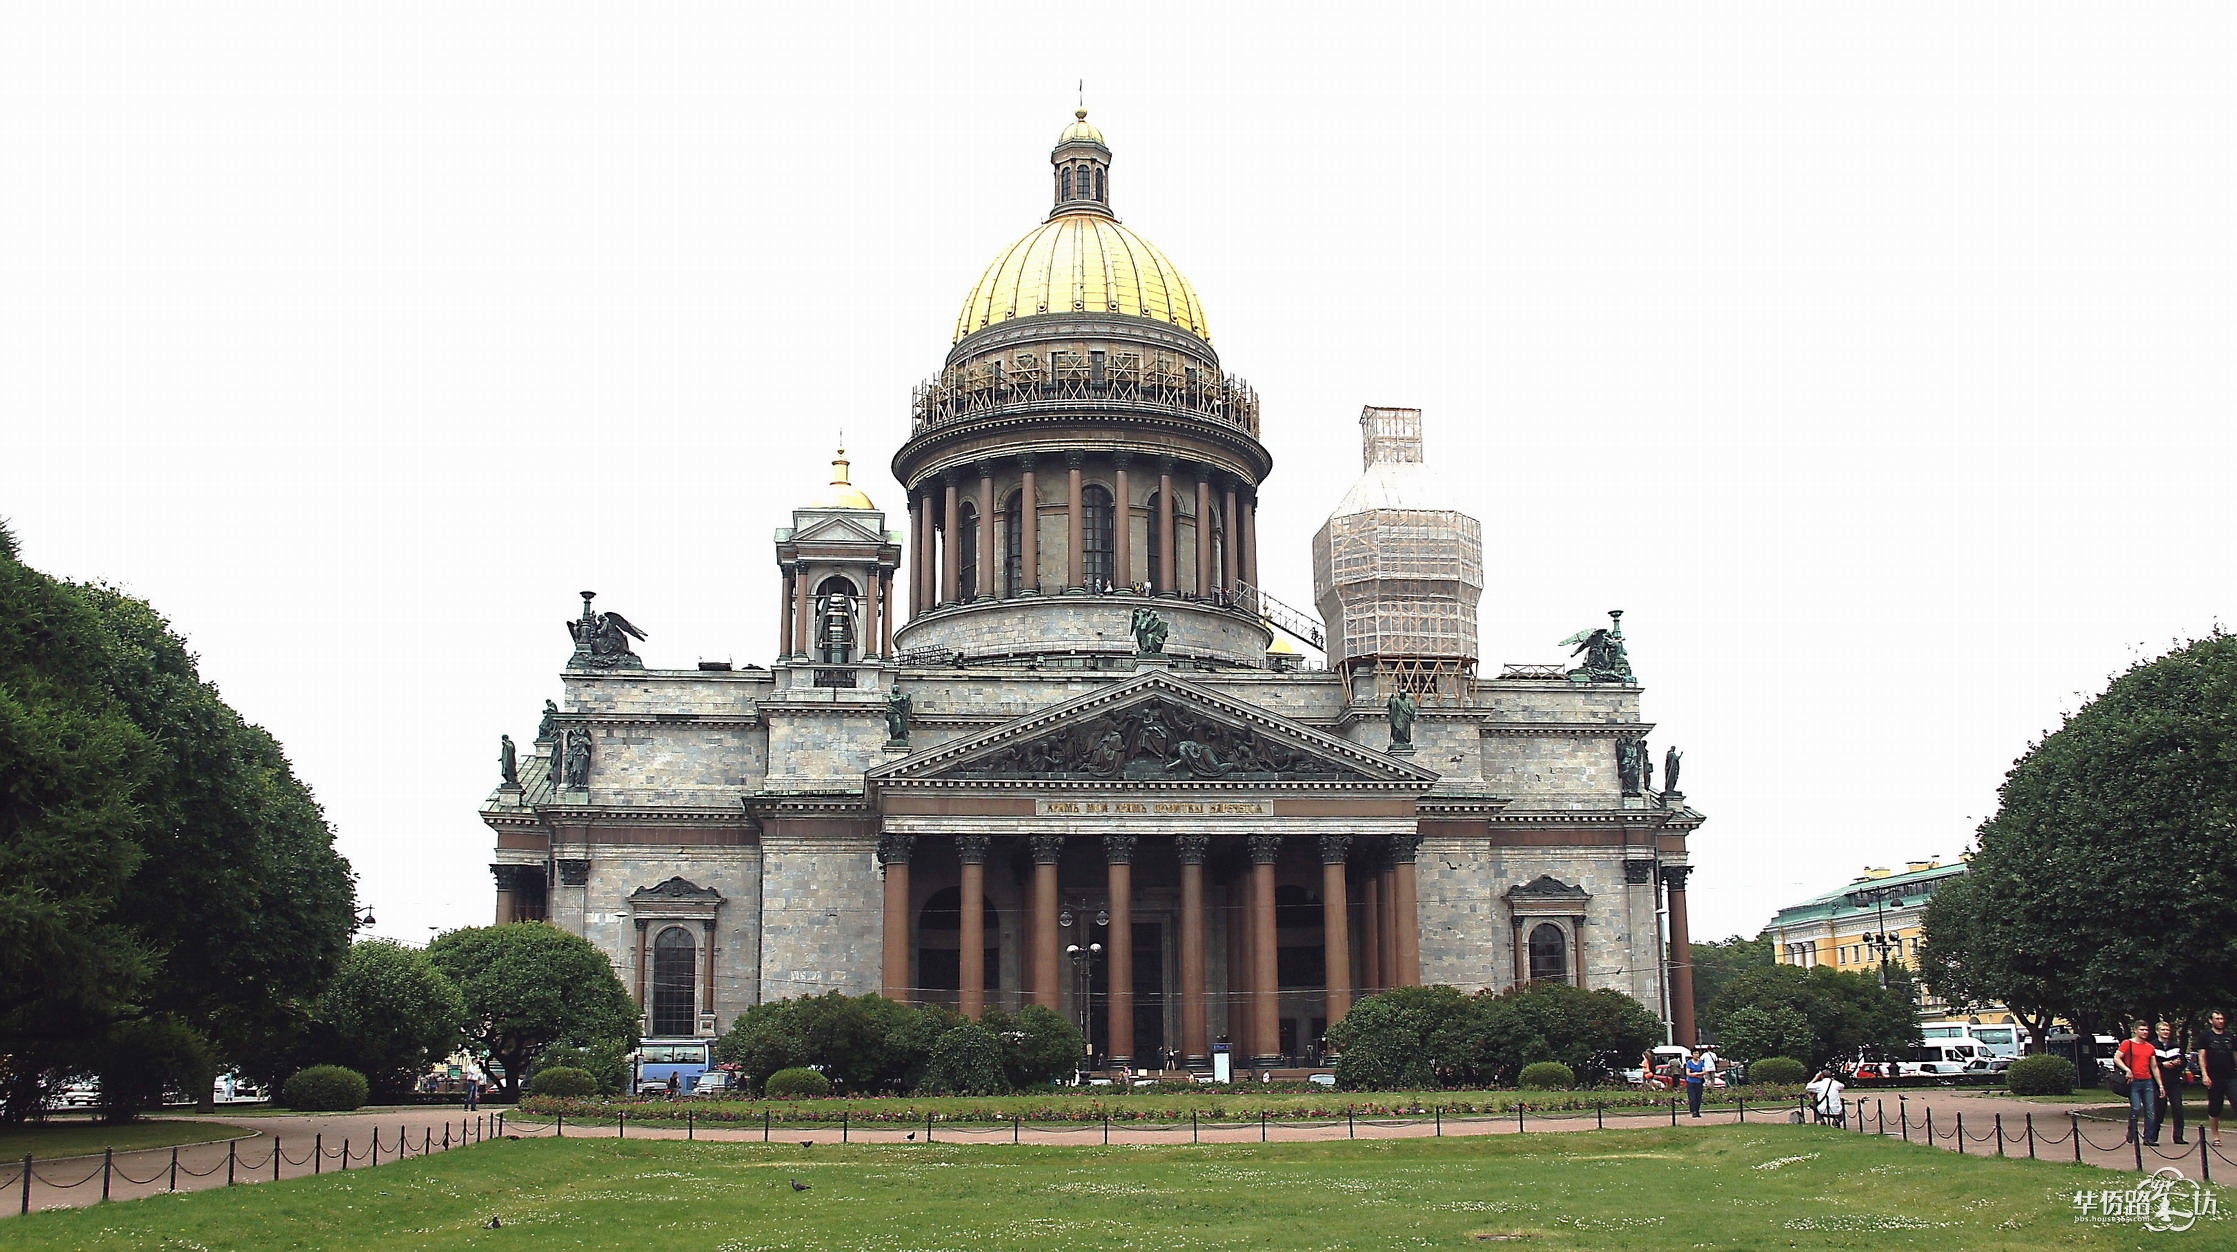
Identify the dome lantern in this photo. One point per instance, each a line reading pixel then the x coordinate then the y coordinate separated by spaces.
pixel 1083 170
pixel 841 494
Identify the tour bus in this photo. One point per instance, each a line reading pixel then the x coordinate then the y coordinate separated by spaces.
pixel 656 1059
pixel 2003 1040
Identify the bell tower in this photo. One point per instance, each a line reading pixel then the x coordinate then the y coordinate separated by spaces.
pixel 835 604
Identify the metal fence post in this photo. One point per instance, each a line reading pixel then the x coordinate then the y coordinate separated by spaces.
pixel 562 1127
pixel 1191 1129
pixel 27 1179
pixel 1014 1121
pixel 928 1127
pixel 765 1125
pixel 1743 1110
pixel 2205 1164
pixel 1930 1125
pixel 108 1164
pixel 691 1123
pixel 1106 1130
pixel 376 1157
pixel 2136 1142
pixel 1351 1127
pixel 275 1158
pixel 1673 1110
pixel 1262 1125
pixel 345 1154
pixel 1519 1127
pixel 843 1127
pixel 2074 1132
pixel 230 1145
pixel 621 1124
pixel 318 1153
pixel 2031 1136
pixel 1438 1111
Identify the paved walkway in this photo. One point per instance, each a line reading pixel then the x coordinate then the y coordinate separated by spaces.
pixel 318 1143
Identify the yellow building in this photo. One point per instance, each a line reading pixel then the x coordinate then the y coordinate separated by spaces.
pixel 1877 915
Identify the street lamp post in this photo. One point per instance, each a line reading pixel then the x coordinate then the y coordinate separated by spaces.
pixel 1083 977
pixel 1876 898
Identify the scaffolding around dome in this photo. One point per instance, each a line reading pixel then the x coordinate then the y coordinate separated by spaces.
pixel 1082 380
pixel 1398 571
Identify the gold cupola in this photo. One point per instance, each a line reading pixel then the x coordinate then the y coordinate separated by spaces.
pixel 841 494
pixel 1080 259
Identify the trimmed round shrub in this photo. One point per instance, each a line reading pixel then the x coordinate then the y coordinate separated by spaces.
pixel 324 1089
pixel 2041 1075
pixel 563 1080
pixel 1547 1076
pixel 795 1084
pixel 1777 1070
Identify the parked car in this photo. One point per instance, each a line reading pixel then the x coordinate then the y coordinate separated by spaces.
pixel 1663 1055
pixel 77 1095
pixel 715 1082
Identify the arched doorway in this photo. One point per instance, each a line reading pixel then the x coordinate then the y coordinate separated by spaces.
pixel 675 983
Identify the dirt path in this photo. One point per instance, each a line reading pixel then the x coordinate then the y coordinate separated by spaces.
pixel 319 1143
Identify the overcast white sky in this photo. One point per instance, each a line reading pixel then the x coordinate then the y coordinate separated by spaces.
pixel 1875 358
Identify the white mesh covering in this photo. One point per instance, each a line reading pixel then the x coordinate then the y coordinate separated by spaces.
pixel 1397 573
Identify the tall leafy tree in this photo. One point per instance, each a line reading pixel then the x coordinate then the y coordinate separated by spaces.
pixel 388 1013
pixel 1848 1013
pixel 1719 961
pixel 528 985
pixel 158 857
pixel 2106 885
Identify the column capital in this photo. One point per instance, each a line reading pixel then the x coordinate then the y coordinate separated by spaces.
pixel 895 849
pixel 511 877
pixel 1047 849
pixel 1119 849
pixel 1075 458
pixel 1192 848
pixel 1026 460
pixel 1265 849
pixel 972 848
pixel 985 468
pixel 1674 876
pixel 1166 464
pixel 1402 848
pixel 950 476
pixel 574 872
pixel 1334 849
pixel 1638 871
pixel 1122 458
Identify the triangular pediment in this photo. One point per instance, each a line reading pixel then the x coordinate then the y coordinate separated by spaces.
pixel 1150 729
pixel 847 526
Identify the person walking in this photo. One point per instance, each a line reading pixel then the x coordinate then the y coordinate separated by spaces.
pixel 2138 1057
pixel 2172 1063
pixel 473 1093
pixel 2217 1066
pixel 1697 1075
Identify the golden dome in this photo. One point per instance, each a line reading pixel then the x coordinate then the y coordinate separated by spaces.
pixel 1082 262
pixel 841 494
pixel 1080 132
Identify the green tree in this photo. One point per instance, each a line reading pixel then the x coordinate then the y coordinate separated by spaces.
pixel 528 985
pixel 1038 1044
pixel 1389 1041
pixel 966 1060
pixel 1750 1034
pixel 862 1043
pixel 2106 885
pixel 1719 961
pixel 388 1013
pixel 158 857
pixel 606 1062
pixel 1848 1013
pixel 139 1061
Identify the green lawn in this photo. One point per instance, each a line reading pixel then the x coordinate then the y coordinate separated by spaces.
pixel 82 1136
pixel 1739 1187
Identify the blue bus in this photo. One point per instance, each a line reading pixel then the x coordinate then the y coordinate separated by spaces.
pixel 656 1059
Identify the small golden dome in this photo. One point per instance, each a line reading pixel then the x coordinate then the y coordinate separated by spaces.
pixel 841 494
pixel 1082 263
pixel 1080 132
pixel 1281 646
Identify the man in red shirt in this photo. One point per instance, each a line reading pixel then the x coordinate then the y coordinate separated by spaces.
pixel 2138 1057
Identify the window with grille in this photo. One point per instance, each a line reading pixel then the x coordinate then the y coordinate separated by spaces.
pixel 675 969
pixel 1096 535
pixel 1549 953
pixel 1064 181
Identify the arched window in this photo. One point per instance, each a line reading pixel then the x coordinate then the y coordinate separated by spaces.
pixel 1096 535
pixel 1065 185
pixel 1549 953
pixel 675 983
pixel 1154 549
pixel 967 552
pixel 838 607
pixel 1013 543
pixel 1099 185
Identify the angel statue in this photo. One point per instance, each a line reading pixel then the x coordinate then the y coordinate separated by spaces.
pixel 1149 632
pixel 1605 658
pixel 602 640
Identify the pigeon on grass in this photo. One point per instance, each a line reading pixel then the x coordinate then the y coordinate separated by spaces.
pixel 798 1185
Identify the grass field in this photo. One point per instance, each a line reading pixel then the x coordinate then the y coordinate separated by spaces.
pixel 83 1136
pixel 1742 1187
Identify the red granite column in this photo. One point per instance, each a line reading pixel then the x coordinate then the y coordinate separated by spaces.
pixel 1122 521
pixel 1168 578
pixel 893 853
pixel 1118 852
pixel 990 567
pixel 951 538
pixel 885 614
pixel 784 613
pixel 1405 916
pixel 803 615
pixel 1204 530
pixel 1681 956
pixel 1240 931
pixel 1250 539
pixel 1075 522
pixel 1335 920
pixel 1196 1043
pixel 920 521
pixel 1029 520
pixel 1048 982
pixel 1266 991
pixel 1371 933
pixel 871 616
pixel 1232 530
pixel 971 1000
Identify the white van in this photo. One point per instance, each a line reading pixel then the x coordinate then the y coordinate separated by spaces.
pixel 2002 1040
pixel 1940 1057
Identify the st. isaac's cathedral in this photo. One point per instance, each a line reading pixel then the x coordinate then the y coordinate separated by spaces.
pixel 1055 746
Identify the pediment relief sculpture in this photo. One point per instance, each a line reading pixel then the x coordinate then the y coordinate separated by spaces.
pixel 1156 740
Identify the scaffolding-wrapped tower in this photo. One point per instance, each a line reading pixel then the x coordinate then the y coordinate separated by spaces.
pixel 1398 570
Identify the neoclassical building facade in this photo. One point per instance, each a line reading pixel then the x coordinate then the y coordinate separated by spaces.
pixel 1054 745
